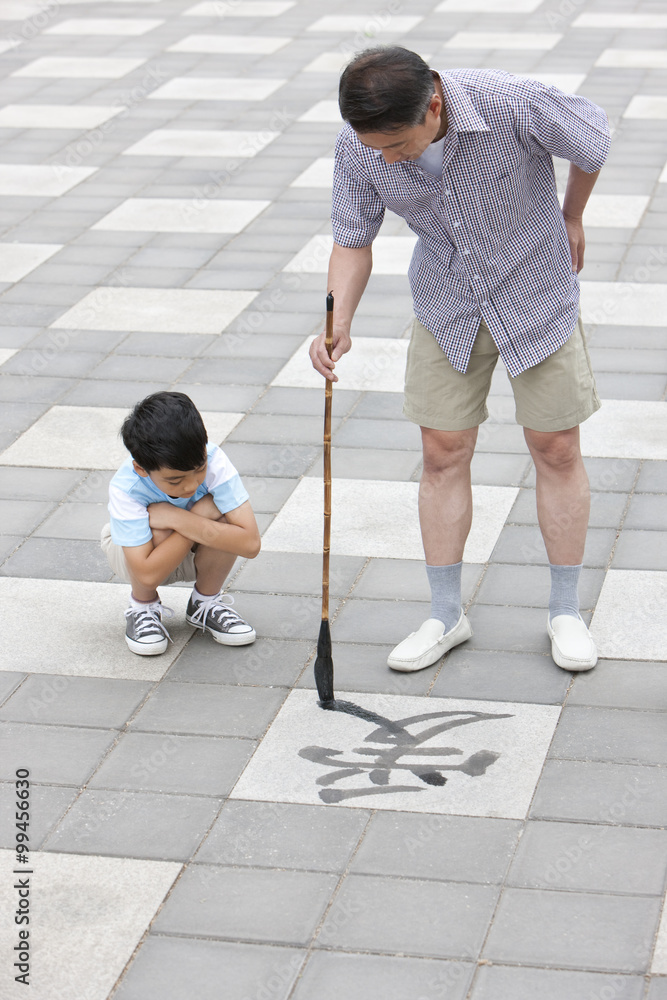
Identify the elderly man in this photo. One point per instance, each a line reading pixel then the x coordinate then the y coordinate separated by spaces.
pixel 465 157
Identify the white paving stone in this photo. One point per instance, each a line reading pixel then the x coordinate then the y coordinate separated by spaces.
pixel 87 437
pixel 155 310
pixel 6 353
pixel 488 6
pixel 502 40
pixel 615 211
pixel 629 622
pixel 365 515
pixel 638 21
pixel 64 67
pixel 659 966
pixel 375 364
pixel 19 259
pixel 569 83
pixel 83 116
pixel 90 913
pixel 7 43
pixel 626 428
pixel 40 181
pixel 391 255
pixel 182 215
pixel 305 750
pixel 249 8
pixel 323 111
pixel 633 58
pixel 211 88
pixel 94 611
pixel 319 174
pixel 17 10
pixel 663 176
pixel 328 62
pixel 368 24
pixel 624 303
pixel 104 26
pixel 201 142
pixel 230 44
pixel 646 106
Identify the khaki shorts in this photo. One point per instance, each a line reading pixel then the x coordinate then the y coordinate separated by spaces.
pixel 554 395
pixel 185 573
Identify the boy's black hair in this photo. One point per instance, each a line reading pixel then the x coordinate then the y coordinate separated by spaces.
pixel 385 89
pixel 165 431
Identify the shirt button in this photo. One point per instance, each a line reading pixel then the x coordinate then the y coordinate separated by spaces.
pixel 465 252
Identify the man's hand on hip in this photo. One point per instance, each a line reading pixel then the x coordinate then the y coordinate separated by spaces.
pixel 575 234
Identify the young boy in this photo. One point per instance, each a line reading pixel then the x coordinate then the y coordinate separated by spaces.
pixel 179 511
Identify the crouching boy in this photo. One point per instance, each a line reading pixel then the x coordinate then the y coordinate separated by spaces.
pixel 179 512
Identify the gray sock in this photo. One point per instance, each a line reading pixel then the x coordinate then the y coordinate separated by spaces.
pixel 564 598
pixel 445 584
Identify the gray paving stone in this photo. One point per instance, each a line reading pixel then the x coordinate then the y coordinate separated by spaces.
pixel 590 858
pixel 396 435
pixel 305 402
pixel 168 967
pixel 164 345
pixel 190 765
pixel 640 550
pixel 499 982
pixel 443 848
pixel 59 559
pixel 283 835
pixel 8 543
pixel 93 488
pixel 102 393
pixel 524 544
pixel 252 904
pixel 378 621
pixel 47 805
pixel 575 930
pixel 268 460
pixel 239 371
pixel 501 676
pixel 206 709
pixel 297 573
pixel 9 681
pixel 529 586
pixel 652 478
pixel 120 366
pixel 37 484
pixel 20 517
pixel 134 825
pixel 233 399
pixel 604 474
pixel 499 470
pixel 630 386
pixel 52 754
pixel 358 463
pixel 330 975
pixel 360 667
pixel 268 495
pixel 278 429
pixel 408 917
pixel 602 793
pixel 75 520
pixel 268 661
pixel 658 988
pixel 621 684
pixel 630 737
pixel 75 701
pixel 520 630
pixel 606 509
pixel 52 364
pixel 21 389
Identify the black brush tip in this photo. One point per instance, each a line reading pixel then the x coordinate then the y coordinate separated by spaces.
pixel 324 664
pixel 330 301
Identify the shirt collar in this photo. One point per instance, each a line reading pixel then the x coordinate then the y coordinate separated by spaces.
pixel 462 114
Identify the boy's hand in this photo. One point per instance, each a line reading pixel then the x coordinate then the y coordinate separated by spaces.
pixel 160 515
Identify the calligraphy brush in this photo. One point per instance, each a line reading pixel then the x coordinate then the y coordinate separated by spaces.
pixel 324 663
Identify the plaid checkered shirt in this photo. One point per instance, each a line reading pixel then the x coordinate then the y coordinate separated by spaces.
pixel 492 239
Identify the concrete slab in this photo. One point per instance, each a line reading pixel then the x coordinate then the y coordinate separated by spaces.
pixel 391 255
pixel 56 116
pixel 626 428
pixel 211 88
pixel 659 964
pixel 506 746
pixel 201 143
pixel 366 23
pixel 87 437
pixel 633 59
pixel 318 175
pixel 646 106
pixel 626 625
pixel 79 67
pixel 104 26
pixel 93 911
pixel 502 40
pixel 621 20
pixel 364 518
pixel 27 180
pixel 230 44
pixel 19 259
pixel 182 215
pixel 620 303
pixel 250 8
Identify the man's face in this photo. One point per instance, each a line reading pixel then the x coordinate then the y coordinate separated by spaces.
pixel 176 484
pixel 406 143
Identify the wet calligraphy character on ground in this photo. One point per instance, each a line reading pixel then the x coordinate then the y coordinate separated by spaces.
pixel 399 751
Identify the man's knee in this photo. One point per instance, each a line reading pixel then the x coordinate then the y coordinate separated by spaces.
pixel 447 450
pixel 555 449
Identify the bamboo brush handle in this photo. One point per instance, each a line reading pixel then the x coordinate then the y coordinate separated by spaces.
pixel 328 397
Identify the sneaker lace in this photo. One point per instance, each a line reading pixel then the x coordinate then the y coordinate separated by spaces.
pixel 214 607
pixel 148 618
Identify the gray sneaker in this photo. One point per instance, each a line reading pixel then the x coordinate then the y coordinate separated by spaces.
pixel 216 617
pixel 144 632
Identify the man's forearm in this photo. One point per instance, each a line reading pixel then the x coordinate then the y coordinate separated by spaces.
pixel 349 271
pixel 579 187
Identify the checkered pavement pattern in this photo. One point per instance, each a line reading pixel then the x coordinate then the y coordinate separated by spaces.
pixel 165 188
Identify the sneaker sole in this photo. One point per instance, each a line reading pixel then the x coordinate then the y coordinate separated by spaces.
pixel 147 648
pixel 227 638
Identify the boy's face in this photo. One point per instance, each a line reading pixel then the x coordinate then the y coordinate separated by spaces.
pixel 177 485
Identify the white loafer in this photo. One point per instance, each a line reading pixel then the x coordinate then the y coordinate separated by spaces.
pixel 571 645
pixel 428 644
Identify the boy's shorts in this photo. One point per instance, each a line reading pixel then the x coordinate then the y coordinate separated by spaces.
pixel 185 573
pixel 554 395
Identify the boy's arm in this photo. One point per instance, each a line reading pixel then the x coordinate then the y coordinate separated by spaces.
pixel 236 531
pixel 151 563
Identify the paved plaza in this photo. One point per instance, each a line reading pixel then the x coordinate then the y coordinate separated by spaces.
pixel 490 828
